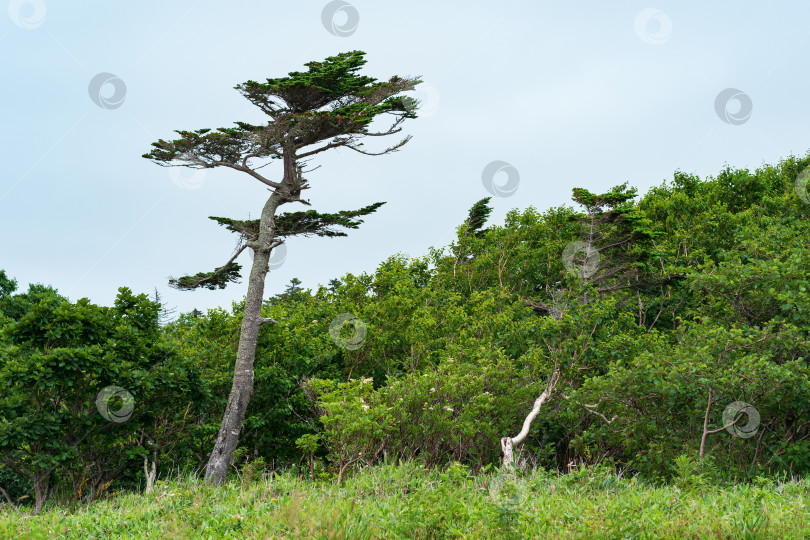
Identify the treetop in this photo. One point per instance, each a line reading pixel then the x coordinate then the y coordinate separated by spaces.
pixel 329 101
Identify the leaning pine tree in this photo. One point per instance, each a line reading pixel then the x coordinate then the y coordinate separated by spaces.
pixel 330 106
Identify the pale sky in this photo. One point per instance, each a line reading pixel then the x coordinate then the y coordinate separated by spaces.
pixel 576 94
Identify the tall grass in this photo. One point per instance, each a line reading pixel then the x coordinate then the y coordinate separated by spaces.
pixel 408 501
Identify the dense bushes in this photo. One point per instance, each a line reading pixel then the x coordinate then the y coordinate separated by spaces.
pixel 700 300
pixel 435 415
pixel 60 369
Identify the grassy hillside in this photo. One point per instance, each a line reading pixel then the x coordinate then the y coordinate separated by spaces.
pixel 408 501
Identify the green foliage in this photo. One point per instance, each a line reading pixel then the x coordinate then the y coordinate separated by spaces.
pixel 703 302
pixel 437 414
pixel 736 325
pixel 327 101
pixel 16 485
pixel 309 443
pixel 352 426
pixel 477 218
pixel 218 279
pixel 690 474
pixel 727 312
pixel 304 223
pixel 321 85
pixel 307 223
pixel 54 363
pixel 7 285
pixel 14 306
pixel 620 234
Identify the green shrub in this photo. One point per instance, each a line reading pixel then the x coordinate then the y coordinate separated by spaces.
pixel 455 412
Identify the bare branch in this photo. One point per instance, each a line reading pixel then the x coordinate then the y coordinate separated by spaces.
pixel 323 148
pixel 343 468
pixel 552 381
pixel 3 491
pixel 508 443
pixel 386 151
pixel 391 130
pixel 591 409
pixel 239 251
pixel 254 174
pixel 706 430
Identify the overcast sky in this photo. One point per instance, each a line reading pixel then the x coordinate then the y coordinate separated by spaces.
pixel 574 94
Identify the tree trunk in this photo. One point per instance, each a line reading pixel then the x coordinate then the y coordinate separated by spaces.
pixel 150 471
pixel 234 416
pixel 42 491
pixel 508 443
pixel 705 426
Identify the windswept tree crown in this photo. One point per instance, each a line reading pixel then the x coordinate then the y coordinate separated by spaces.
pixel 327 102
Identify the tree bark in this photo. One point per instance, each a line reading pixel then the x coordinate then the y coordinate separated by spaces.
pixel 228 437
